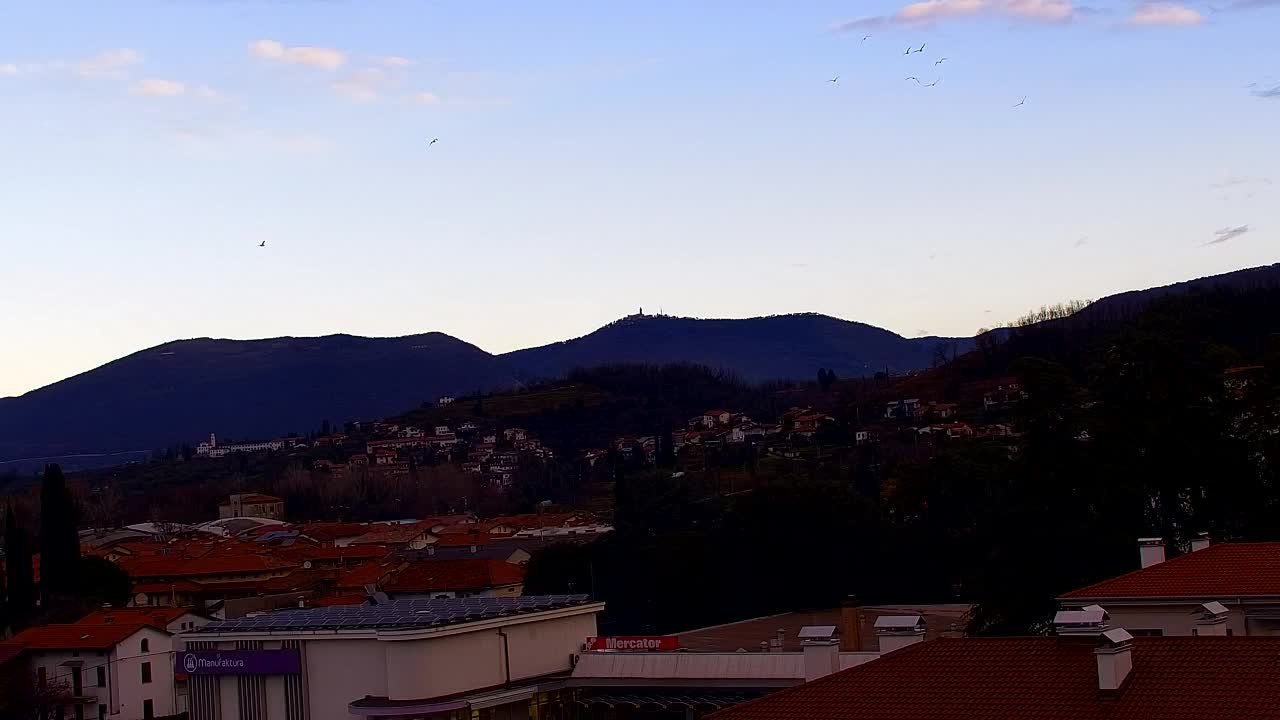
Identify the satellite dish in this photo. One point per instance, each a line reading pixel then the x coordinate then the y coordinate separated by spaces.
pixel 306 565
pixel 140 599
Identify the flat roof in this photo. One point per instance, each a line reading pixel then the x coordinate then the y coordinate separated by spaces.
pixel 406 614
pixel 942 620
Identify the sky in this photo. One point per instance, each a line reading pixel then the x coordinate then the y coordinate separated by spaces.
pixel 595 158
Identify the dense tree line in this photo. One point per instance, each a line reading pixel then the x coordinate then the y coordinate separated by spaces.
pixel 1129 428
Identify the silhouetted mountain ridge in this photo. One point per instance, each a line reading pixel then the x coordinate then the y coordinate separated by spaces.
pixel 182 390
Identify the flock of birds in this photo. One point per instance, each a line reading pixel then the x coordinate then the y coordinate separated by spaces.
pixel 913 50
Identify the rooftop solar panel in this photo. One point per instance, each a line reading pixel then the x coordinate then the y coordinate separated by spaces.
pixel 405 613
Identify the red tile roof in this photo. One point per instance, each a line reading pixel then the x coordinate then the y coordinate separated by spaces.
pixel 390 535
pixel 1041 678
pixel 177 586
pixel 75 637
pixel 462 540
pixel 1218 572
pixel 155 616
pixel 368 573
pixel 466 574
pixel 171 567
pixel 332 553
pixel 333 531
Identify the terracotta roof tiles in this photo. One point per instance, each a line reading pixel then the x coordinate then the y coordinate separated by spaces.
pixel 1040 678
pixel 1227 570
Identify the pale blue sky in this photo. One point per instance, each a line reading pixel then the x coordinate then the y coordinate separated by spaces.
pixel 596 157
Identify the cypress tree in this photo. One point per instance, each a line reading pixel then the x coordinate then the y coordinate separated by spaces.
pixel 18 572
pixel 59 542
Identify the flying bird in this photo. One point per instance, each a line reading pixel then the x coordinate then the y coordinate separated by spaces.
pixel 934 83
pixel 834 79
pixel 262 244
pixel 921 47
pixel 865 38
pixel 433 142
pixel 909 50
pixel 1024 102
pixel 913 77
pixel 940 61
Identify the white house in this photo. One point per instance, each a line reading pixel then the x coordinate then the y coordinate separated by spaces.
pixel 109 672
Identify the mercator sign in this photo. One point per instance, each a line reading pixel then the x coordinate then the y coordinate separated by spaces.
pixel 634 643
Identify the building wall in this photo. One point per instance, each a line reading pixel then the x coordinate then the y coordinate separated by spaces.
pixel 124 691
pixel 339 671
pixel 127 676
pixel 545 647
pixel 1176 620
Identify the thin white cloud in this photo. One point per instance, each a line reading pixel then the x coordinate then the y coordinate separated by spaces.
pixel 394 61
pixel 1237 181
pixel 1165 14
pixel 109 62
pixel 424 98
pixel 159 88
pixel 1228 234
pixel 926 12
pixel 8 69
pixel 316 57
pixel 204 92
pixel 361 86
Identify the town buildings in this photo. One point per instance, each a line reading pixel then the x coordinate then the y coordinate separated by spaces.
pixel 212 449
pixel 1224 588
pixel 252 505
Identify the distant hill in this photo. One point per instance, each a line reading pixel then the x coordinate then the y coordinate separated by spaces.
pixel 181 391
pixel 756 349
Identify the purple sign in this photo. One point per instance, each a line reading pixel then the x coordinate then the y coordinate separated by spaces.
pixel 239 662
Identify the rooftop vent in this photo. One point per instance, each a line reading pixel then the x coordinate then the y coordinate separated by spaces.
pixel 1089 621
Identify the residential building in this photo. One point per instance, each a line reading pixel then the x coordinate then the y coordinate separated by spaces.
pixel 393 660
pixel 252 505
pixel 467 577
pixel 109 672
pixel 213 450
pixel 170 619
pixel 1168 597
pixel 1085 673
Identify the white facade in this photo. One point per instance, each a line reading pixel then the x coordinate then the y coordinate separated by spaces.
pixel 343 671
pixel 113 684
pixel 214 450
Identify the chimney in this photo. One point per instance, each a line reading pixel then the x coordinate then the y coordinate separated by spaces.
pixel 1115 660
pixel 851 624
pixel 1200 541
pixel 1151 550
pixel 898 631
pixel 764 646
pixel 821 651
pixel 781 637
pixel 1211 619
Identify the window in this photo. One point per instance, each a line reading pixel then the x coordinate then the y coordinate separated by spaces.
pixel 1195 631
pixel 146 673
pixel 146 645
pixel 1230 632
pixel 148 711
pixel 1150 632
pixel 102 676
pixel 102 712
